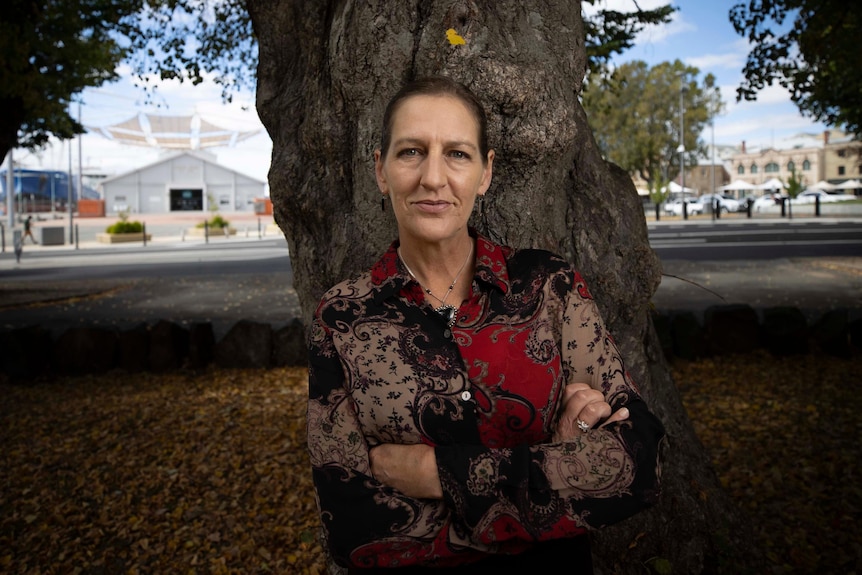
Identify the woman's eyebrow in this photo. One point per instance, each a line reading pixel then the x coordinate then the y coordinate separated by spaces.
pixel 448 144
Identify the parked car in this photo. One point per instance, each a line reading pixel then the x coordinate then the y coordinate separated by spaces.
pixel 766 201
pixel 810 195
pixel 674 208
pixel 726 203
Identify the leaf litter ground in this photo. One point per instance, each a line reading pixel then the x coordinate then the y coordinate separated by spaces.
pixel 208 472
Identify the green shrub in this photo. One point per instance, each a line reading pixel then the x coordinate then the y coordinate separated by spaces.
pixel 124 227
pixel 216 221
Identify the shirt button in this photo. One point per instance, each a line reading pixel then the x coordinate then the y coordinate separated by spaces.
pixel 466 395
pixel 447 333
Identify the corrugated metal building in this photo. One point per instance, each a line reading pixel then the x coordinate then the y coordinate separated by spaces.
pixel 186 181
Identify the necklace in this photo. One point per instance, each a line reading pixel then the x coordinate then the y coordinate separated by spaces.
pixel 444 310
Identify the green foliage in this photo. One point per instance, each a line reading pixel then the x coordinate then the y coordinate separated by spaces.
pixel 216 221
pixel 610 32
pixel 635 116
pixel 125 227
pixel 794 184
pixel 50 51
pixel 658 189
pixel 816 56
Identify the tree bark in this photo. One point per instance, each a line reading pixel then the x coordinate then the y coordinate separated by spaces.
pixel 327 70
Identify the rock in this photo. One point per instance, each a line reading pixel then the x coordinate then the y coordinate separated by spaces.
pixel 23 352
pixel 169 346
pixel 289 347
pixel 689 338
pixel 134 347
pixel 81 350
pixel 731 329
pixel 246 344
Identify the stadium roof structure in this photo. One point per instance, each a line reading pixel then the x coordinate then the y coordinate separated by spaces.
pixel 172 132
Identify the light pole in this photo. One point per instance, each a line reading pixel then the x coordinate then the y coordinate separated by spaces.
pixel 681 148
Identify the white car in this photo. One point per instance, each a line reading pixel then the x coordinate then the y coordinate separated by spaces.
pixel 674 208
pixel 725 203
pixel 809 196
pixel 767 201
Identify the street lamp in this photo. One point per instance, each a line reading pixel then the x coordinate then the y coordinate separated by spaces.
pixel 681 148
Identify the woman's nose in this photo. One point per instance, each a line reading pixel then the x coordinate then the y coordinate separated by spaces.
pixel 434 171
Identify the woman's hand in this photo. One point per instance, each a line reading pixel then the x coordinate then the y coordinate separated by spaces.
pixel 411 469
pixel 587 406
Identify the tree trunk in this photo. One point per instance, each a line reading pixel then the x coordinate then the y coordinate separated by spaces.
pixel 327 70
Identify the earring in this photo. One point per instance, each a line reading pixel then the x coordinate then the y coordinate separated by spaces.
pixel 482 207
pixel 383 203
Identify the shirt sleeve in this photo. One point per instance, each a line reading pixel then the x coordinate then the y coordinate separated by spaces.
pixel 553 490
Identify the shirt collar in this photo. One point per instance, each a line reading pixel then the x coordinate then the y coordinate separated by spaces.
pixel 389 276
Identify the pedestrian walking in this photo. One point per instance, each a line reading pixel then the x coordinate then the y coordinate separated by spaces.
pixel 28 230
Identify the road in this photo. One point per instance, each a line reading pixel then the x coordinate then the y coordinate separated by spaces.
pixel 723 240
pixel 810 265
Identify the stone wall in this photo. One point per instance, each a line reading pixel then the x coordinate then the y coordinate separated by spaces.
pixel 33 353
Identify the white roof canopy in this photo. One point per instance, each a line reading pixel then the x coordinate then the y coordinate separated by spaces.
pixel 772 184
pixel 737 185
pixel 172 132
pixel 848 185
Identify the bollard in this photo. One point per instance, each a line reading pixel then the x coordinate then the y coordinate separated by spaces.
pixel 206 232
pixel 748 207
pixel 783 208
pixel 144 228
pixel 657 212
pixel 77 237
pixel 717 210
pixel 684 209
pixel 817 206
pixel 258 229
pixel 2 237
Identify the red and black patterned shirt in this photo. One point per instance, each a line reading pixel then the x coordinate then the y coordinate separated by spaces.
pixel 486 393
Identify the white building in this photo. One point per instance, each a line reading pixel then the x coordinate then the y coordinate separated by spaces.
pixel 187 181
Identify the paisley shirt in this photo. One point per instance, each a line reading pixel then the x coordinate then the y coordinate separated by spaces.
pixel 486 393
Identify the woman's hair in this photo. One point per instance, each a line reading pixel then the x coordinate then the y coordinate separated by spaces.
pixel 436 86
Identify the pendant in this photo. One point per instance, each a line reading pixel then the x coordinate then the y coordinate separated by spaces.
pixel 447 312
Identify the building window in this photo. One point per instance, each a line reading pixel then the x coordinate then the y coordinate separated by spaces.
pixel 806 165
pixel 771 168
pixel 842 153
pixel 840 170
pixel 791 167
pixel 753 168
pixel 740 170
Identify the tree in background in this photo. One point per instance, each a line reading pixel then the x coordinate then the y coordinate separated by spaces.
pixel 815 55
pixel 795 185
pixel 634 114
pixel 326 72
pixel 50 50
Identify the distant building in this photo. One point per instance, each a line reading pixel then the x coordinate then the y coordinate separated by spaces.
pixel 756 167
pixel 842 157
pixel 41 190
pixel 188 181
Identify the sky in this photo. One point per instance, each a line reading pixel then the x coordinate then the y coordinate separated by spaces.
pixel 700 35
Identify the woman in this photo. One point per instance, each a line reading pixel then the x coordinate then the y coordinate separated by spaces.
pixel 467 406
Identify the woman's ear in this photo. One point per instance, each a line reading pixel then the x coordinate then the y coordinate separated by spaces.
pixel 378 172
pixel 487 173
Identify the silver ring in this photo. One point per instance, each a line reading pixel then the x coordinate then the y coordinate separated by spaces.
pixel 583 425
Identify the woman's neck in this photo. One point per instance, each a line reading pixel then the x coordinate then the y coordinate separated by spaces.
pixel 445 270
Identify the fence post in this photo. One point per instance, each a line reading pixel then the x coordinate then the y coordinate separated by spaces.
pixel 206 232
pixel 144 227
pixel 77 237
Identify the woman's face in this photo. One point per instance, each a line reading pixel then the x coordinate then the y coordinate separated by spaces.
pixel 433 169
